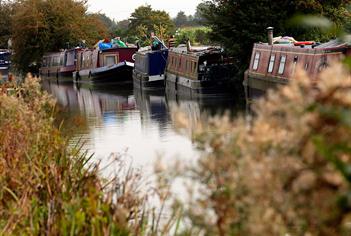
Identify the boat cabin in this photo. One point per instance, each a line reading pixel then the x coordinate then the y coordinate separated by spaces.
pixel 275 64
pixel 198 64
pixel 59 64
pixel 198 71
pixel 151 62
pixel 149 69
pixel 5 61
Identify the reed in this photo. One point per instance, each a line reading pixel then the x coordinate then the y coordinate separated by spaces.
pixel 49 188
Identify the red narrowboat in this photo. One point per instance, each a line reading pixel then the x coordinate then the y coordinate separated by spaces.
pixel 113 65
pixel 275 64
pixel 59 65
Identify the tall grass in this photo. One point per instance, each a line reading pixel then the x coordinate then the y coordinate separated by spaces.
pixel 48 188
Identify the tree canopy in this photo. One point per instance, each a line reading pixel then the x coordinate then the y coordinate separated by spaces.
pixel 39 26
pixel 237 24
pixel 145 20
pixel 181 19
pixel 6 12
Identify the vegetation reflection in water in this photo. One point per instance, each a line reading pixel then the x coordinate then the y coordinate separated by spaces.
pixel 130 123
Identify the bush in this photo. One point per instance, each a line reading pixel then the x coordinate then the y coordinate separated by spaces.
pixel 285 173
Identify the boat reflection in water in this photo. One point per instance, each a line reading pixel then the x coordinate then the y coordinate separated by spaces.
pixel 135 124
pixel 132 124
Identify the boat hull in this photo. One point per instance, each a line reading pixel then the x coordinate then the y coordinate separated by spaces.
pixel 256 86
pixel 196 88
pixel 146 82
pixel 117 73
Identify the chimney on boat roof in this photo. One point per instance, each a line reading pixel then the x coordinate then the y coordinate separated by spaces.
pixel 270 35
pixel 188 45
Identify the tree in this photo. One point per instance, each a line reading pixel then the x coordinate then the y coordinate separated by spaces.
pixel 6 12
pixel 144 17
pixel 39 26
pixel 198 16
pixel 181 19
pixel 237 24
pixel 108 22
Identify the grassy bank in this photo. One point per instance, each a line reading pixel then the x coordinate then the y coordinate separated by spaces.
pixel 47 188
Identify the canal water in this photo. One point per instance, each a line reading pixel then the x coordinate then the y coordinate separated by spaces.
pixel 133 125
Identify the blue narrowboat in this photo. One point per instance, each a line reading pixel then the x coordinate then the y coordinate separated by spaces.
pixel 149 69
pixel 5 62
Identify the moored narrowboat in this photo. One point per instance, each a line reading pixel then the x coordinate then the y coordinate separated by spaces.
pixel 5 62
pixel 198 71
pixel 113 65
pixel 59 65
pixel 273 64
pixel 149 69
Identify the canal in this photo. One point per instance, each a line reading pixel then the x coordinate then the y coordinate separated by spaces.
pixel 131 124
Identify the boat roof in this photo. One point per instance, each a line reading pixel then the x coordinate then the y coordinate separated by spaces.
pixel 3 51
pixel 335 43
pixel 146 50
pixel 198 50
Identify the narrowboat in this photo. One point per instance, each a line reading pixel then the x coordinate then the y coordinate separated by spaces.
pixel 59 65
pixel 113 65
pixel 5 62
pixel 149 69
pixel 201 71
pixel 273 64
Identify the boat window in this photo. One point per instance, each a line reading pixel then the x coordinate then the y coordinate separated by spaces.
pixel 256 61
pixel 195 67
pixel 282 65
pixel 110 60
pixel 81 60
pixel 306 66
pixel 271 63
pixel 70 59
pixel 56 61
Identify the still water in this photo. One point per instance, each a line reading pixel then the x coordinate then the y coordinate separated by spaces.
pixel 132 124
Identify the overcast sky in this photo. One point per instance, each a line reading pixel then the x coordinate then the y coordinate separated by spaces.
pixel 121 9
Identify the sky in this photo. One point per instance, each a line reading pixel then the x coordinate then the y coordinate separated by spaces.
pixel 120 10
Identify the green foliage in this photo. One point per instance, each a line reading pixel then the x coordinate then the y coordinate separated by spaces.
pixel 199 14
pixel 196 35
pixel 181 19
pixel 237 24
pixel 40 26
pixel 110 24
pixel 122 30
pixel 145 20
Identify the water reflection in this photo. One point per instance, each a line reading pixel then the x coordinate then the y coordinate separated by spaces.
pixel 132 122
